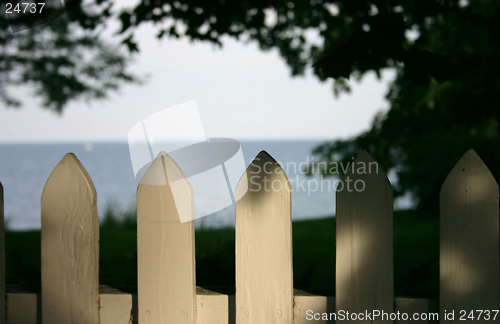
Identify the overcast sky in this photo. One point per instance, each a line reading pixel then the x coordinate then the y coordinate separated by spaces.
pixel 241 93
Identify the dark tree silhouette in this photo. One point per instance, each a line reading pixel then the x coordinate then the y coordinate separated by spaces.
pixel 443 101
pixel 445 52
pixel 63 59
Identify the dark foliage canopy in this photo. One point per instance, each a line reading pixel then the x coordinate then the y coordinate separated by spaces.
pixel 64 59
pixel 443 101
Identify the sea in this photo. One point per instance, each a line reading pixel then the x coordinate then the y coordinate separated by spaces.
pixel 25 168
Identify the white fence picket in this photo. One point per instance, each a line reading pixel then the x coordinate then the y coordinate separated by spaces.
pixel 165 246
pixel 364 227
pixel 264 279
pixel 469 251
pixel 2 259
pixel 70 246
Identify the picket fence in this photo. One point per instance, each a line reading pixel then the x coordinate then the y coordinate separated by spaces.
pixel 167 292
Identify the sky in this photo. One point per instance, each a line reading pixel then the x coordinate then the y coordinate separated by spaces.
pixel 240 91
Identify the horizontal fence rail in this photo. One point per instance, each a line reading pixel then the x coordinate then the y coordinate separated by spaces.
pixel 167 292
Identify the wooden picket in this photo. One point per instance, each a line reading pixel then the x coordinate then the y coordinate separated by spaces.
pixel 264 279
pixel 364 226
pixel 167 292
pixel 2 259
pixel 165 246
pixel 70 246
pixel 469 247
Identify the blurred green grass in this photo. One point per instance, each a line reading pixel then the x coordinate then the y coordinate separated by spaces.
pixel 416 254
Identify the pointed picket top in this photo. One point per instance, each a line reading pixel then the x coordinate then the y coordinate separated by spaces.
pixel 364 167
pixel 70 246
pixel 2 259
pixel 70 165
pixel 164 169
pixel 264 277
pixel 165 245
pixel 469 231
pixel 470 167
pixel 364 227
